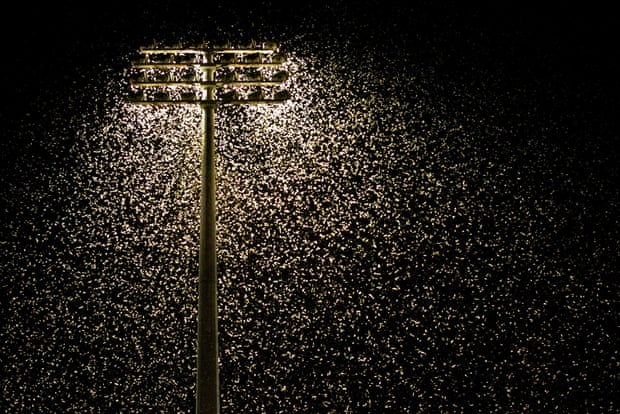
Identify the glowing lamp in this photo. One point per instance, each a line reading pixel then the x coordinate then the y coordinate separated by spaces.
pixel 188 76
pixel 204 76
pixel 186 58
pixel 137 95
pixel 270 45
pixel 278 58
pixel 254 76
pixel 222 46
pixel 142 60
pixel 249 46
pixel 228 58
pixel 280 76
pixel 281 95
pixel 160 58
pixel 189 96
pixel 253 58
pixel 162 96
pixel 256 95
pixel 162 76
pixel 229 96
pixel 138 77
pixel 231 76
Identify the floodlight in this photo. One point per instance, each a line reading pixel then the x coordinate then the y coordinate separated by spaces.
pixel 221 46
pixel 228 58
pixel 188 76
pixel 137 95
pixel 281 95
pixel 207 75
pixel 253 58
pixel 186 58
pixel 256 95
pixel 254 76
pixel 138 77
pixel 278 58
pixel 280 76
pixel 231 95
pixel 270 45
pixel 251 45
pixel 142 60
pixel 231 76
pixel 160 58
pixel 162 76
pixel 189 96
pixel 162 96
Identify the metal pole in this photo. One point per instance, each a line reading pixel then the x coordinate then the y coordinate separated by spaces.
pixel 207 380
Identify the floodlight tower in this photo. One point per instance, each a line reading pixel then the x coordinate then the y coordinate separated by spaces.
pixel 209 76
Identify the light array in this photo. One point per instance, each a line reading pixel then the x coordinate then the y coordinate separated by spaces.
pixel 209 74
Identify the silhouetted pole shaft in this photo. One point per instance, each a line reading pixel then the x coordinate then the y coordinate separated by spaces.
pixel 207 381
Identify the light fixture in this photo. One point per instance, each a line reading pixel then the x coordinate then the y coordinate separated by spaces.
pixel 160 58
pixel 189 77
pixel 253 58
pixel 185 58
pixel 254 76
pixel 280 76
pixel 278 58
pixel 228 58
pixel 162 96
pixel 189 96
pixel 256 95
pixel 250 46
pixel 222 46
pixel 229 96
pixel 281 95
pixel 139 77
pixel 270 45
pixel 183 69
pixel 137 95
pixel 162 76
pixel 231 76
pixel 142 60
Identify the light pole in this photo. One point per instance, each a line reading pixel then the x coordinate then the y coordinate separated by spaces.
pixel 209 76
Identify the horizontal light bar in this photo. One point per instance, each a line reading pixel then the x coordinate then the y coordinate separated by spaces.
pixel 172 50
pixel 266 47
pixel 203 52
pixel 204 65
pixel 204 84
pixel 208 102
pixel 188 67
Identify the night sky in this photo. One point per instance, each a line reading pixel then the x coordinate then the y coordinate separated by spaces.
pixel 429 225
